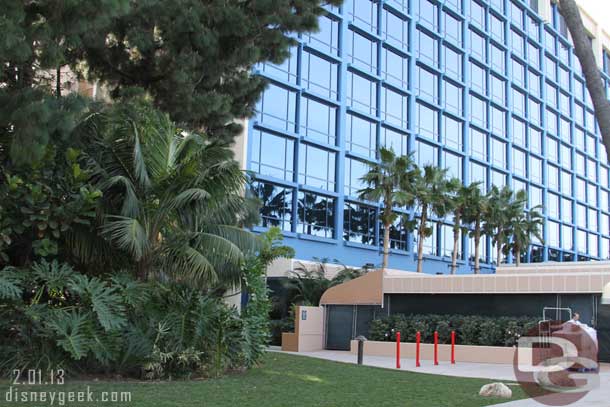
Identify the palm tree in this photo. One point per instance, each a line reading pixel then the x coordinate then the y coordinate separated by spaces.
pixel 385 181
pixel 173 201
pixel 474 214
pixel 504 206
pixel 458 205
pixel 524 226
pixel 431 193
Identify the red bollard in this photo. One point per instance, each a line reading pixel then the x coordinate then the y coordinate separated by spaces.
pixel 398 350
pixel 417 342
pixel 435 347
pixel 453 347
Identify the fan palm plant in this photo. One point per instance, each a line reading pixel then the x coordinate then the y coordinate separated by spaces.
pixel 431 192
pixel 458 205
pixel 504 206
pixel 526 224
pixel 385 181
pixel 476 209
pixel 173 201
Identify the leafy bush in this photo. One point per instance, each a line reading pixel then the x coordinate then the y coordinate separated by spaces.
pixel 470 330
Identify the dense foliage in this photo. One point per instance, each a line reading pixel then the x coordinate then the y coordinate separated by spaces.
pixel 470 330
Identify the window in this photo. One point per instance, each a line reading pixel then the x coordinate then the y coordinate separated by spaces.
pixel 478 109
pixel 447 241
pixel 453 63
pixel 551 94
pixel 518 43
pixel 287 70
pixel 516 14
pixel 518 102
pixel 477 14
pixel 533 26
pixel 396 30
pixel 518 132
pixel 453 98
pixel 567 240
pixel 551 123
pixel 553 234
pixel 519 162
pixel 453 29
pixel 478 46
pixel 319 75
pixel 566 183
pixel 395 69
pixel 428 14
pixel 478 144
pixel 453 164
pixel 535 195
pixel 553 177
pixel 551 69
pixel 361 51
pixel 533 55
pixel 535 169
pixel 518 72
pixel 534 111
pixel 428 49
pixel 478 173
pixel 564 78
pixel 394 107
pixel 398 235
pixel 535 141
pixel 318 120
pixel 361 93
pixel 566 210
pixel 316 167
pixel 327 37
pixel 553 206
pixel 430 242
pixel 276 208
pixel 552 149
pixel 360 135
pixel 478 78
pixel 498 90
pixel 498 178
pixel 427 121
pixel 316 215
pixel 497 27
pixel 426 154
pixel 272 155
pixel 360 223
pixel 533 85
pixel 364 14
pixel 498 58
pixel 566 156
pixel 452 133
pixel 277 108
pixel 498 121
pixel 394 140
pixel 427 84
pixel 498 4
pixel 354 171
pixel 498 153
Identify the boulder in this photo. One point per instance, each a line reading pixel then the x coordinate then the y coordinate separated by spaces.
pixel 499 390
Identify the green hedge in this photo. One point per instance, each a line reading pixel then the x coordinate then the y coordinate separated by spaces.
pixel 470 330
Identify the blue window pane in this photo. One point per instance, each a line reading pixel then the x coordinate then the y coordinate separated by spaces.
pixel 533 55
pixel 286 71
pixel 498 59
pixel 272 155
pixel 394 140
pixel 277 108
pixel 361 93
pixel 360 223
pixel 319 75
pixel 516 14
pixel 396 69
pixel 478 110
pixel 478 46
pixel 518 132
pixel 362 52
pixel 394 107
pixel 533 27
pixel 498 153
pixel 364 14
pixel 426 154
pixel 316 215
pixel 498 178
pixel 427 84
pixel 427 120
pixel 553 177
pixel 453 29
pixel 395 30
pixel 478 144
pixel 453 97
pixel 518 43
pixel 276 208
pixel 453 164
pixel 453 63
pixel 498 121
pixel 428 48
pixel 452 133
pixel 398 235
pixel 498 90
pixel 533 85
pixel 519 162
pixel 477 14
pixel 316 167
pixel 327 37
pixel 535 169
pixel 354 171
pixel 478 78
pixel 534 111
pixel 318 120
pixel 478 173
pixel 518 72
pixel 428 14
pixel 497 27
pixel 361 136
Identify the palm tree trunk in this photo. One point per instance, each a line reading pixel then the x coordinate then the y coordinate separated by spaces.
pixel 517 257
pixel 498 249
pixel 477 241
pixel 583 50
pixel 386 246
pixel 456 239
pixel 420 242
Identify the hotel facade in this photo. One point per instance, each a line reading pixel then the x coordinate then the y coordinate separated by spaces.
pixel 489 89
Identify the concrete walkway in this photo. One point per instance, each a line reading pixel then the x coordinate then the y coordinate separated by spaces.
pixel 599 397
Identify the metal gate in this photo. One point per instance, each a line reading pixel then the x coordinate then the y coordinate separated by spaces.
pixel 345 322
pixel 603 332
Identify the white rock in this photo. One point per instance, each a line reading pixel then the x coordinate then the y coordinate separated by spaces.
pixel 496 390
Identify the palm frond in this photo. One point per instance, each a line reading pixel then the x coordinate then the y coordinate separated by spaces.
pixel 127 234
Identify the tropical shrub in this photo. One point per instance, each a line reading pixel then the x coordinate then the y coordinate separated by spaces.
pixel 470 330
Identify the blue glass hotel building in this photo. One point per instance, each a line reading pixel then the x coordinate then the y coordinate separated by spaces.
pixel 489 89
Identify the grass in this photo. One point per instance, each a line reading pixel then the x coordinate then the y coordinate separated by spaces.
pixel 287 381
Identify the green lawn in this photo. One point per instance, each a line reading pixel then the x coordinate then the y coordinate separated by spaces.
pixel 287 381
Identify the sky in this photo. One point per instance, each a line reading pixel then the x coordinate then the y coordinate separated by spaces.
pixel 599 10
